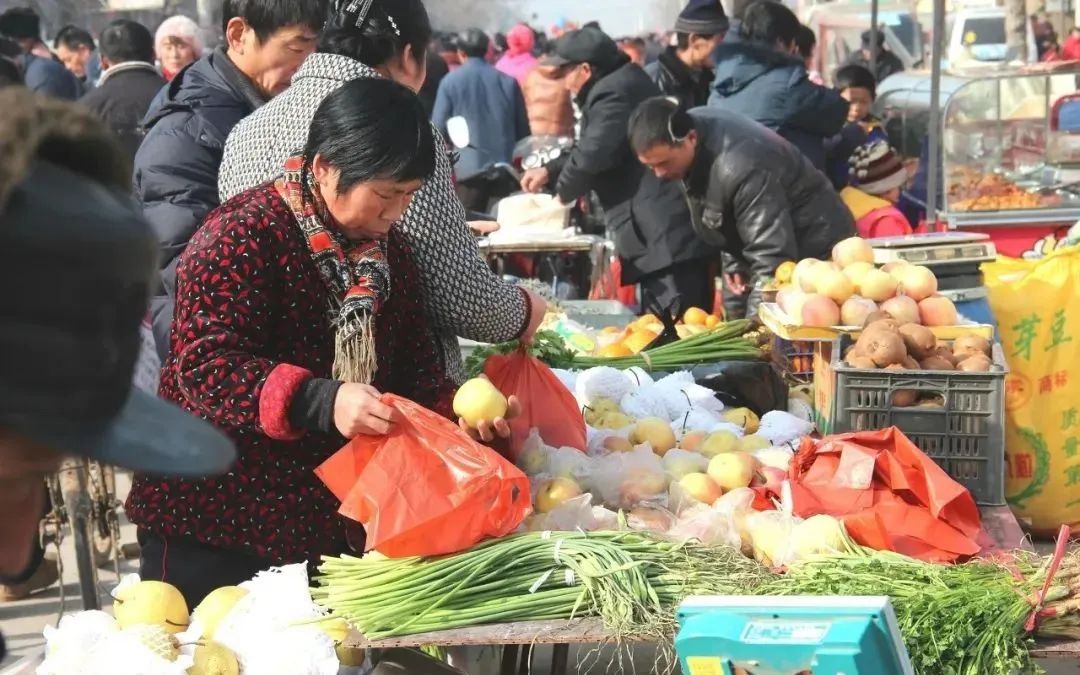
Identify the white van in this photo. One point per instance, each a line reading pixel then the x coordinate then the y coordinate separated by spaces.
pixel 977 37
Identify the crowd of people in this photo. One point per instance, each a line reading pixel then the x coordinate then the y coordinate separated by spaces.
pixel 313 251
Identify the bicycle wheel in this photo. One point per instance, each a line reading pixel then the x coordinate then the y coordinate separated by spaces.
pixel 74 482
pixel 102 489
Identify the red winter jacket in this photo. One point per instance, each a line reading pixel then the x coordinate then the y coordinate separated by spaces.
pixel 250 329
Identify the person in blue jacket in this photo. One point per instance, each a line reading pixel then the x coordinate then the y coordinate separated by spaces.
pixel 759 74
pixel 177 165
pixel 42 72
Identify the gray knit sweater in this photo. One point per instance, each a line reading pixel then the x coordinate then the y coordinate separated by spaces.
pixel 463 296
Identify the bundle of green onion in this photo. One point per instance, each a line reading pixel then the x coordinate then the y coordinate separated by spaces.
pixel 630 580
pixel 732 341
pixel 955 619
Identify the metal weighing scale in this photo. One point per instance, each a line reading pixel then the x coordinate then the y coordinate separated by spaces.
pixel 955 258
pixel 797 635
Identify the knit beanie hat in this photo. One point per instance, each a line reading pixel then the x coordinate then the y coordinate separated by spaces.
pixel 703 17
pixel 876 169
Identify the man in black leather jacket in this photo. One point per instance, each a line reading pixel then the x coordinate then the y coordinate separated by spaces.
pixel 649 220
pixel 685 70
pixel 750 191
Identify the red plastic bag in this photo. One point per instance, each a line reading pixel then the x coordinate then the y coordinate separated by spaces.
pixel 890 495
pixel 546 404
pixel 426 488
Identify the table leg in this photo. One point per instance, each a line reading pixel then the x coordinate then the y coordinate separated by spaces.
pixel 509 660
pixel 560 656
pixel 525 666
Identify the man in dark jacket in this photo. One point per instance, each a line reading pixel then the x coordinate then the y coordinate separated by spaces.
pixel 885 64
pixel 653 235
pixel 758 74
pixel 76 50
pixel 130 82
pixel 42 72
pixel 491 102
pixel 176 168
pixel 750 192
pixel 685 71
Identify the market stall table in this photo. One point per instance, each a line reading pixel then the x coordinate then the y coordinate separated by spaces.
pixel 999 524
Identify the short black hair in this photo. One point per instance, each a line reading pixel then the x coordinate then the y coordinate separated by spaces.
pixel 806 41
pixel 768 22
pixel 847 77
pixel 474 43
pixel 373 129
pixel 74 37
pixel 20 23
pixel 868 37
pixel 657 121
pixel 124 40
pixel 383 34
pixel 267 17
pixel 682 40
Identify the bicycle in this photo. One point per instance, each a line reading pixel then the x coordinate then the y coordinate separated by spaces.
pixel 82 495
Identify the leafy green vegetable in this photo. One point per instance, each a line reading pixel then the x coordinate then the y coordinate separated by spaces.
pixel 548 346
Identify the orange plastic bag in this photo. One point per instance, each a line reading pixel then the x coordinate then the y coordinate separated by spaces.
pixel 546 404
pixel 426 488
pixel 890 495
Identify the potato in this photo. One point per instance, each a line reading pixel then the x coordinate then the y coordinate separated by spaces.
pixel 970 345
pixel 937 363
pixel 976 364
pixel 884 347
pixel 946 352
pixel 919 340
pixel 861 362
pixel 911 364
pixel 853 350
pixel 875 317
pixel 903 398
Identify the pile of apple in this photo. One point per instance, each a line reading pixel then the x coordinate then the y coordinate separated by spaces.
pixel 850 288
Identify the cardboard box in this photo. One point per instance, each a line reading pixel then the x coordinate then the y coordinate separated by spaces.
pixel 784 326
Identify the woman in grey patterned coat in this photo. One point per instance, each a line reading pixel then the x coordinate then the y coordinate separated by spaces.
pixel 378 38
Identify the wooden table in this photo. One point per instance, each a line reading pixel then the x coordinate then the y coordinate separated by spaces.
pixel 516 639
pixel 1001 530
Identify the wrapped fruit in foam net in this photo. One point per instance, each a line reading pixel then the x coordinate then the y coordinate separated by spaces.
pixel 601 383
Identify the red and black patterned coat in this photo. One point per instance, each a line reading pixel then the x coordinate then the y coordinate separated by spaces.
pixel 250 329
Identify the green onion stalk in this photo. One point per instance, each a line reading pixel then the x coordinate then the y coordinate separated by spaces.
pixel 966 619
pixel 632 581
pixel 732 341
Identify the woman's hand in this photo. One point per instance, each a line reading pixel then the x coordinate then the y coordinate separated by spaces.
pixel 358 409
pixel 490 430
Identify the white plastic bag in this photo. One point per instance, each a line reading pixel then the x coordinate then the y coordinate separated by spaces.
pixel 781 428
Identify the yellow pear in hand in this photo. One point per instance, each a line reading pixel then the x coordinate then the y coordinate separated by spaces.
pixel 479 401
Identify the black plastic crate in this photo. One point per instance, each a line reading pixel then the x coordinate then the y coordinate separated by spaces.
pixel 795 360
pixel 964 432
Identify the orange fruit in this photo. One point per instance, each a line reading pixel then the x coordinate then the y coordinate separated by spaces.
pixel 611 330
pixel 712 321
pixel 615 351
pixel 639 340
pixel 695 316
pixel 646 319
pixel 785 273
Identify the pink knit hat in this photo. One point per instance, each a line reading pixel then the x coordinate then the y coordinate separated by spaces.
pixel 520 39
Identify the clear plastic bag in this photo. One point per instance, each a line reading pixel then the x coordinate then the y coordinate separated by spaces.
pixel 624 480
pixel 707 525
pixel 678 463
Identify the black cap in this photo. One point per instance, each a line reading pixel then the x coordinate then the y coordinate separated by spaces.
pixel 703 17
pixel 588 45
pixel 76 262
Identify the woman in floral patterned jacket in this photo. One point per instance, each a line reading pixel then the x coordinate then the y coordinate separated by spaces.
pixel 298 302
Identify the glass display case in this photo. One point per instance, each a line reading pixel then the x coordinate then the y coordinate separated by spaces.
pixel 1010 144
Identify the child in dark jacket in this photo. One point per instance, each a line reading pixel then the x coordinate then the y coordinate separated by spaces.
pixel 856 84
